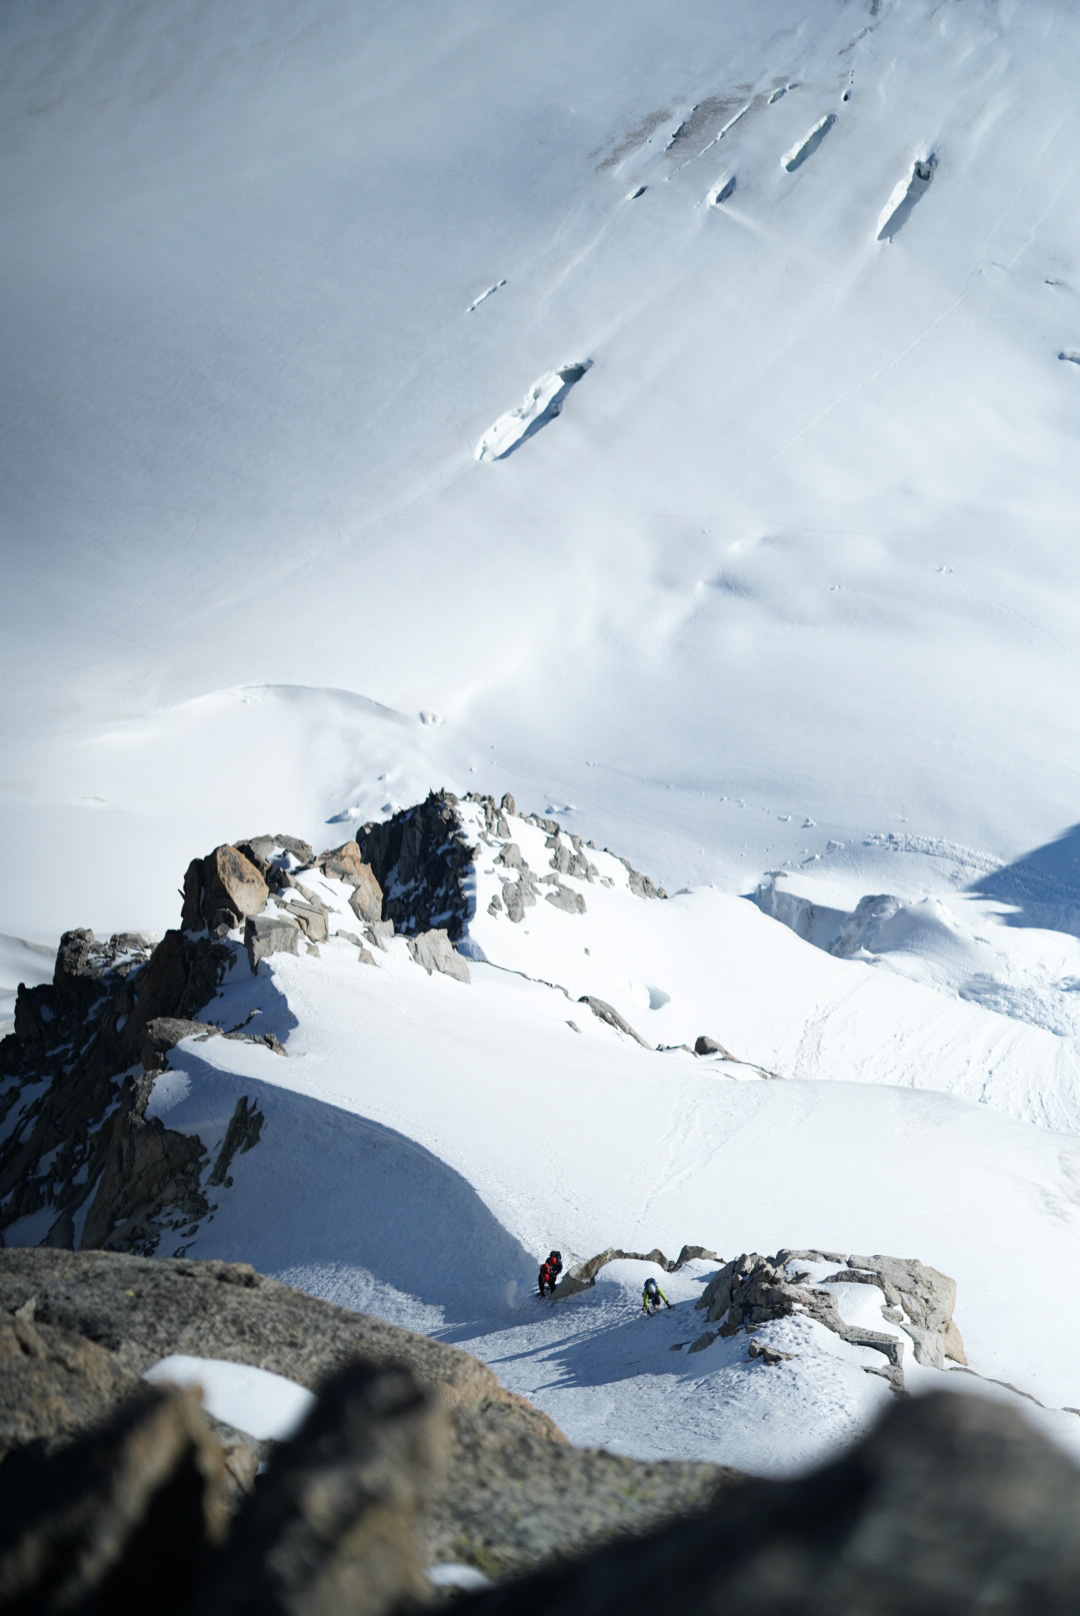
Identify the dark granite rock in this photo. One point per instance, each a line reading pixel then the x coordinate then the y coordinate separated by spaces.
pixel 421 861
pixel 242 1134
pixel 119 1520
pixel 109 1005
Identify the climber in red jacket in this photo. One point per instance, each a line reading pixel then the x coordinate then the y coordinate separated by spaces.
pixel 550 1269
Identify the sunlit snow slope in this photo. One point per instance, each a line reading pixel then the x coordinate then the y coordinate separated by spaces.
pixel 799 542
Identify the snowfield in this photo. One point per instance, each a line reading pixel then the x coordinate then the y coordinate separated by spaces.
pixel 770 583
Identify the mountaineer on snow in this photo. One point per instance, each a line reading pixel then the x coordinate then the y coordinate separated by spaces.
pixel 652 1296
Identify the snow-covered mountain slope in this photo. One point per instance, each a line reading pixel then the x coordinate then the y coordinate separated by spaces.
pixel 772 571
pixel 426 1139
pixel 798 545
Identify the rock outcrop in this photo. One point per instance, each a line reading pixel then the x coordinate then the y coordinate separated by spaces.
pixel 221 890
pixel 751 1290
pixel 583 1277
pixel 242 1135
pixel 80 1108
pixel 73 1103
pixel 422 862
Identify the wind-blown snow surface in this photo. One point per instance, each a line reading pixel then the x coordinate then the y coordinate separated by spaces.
pixel 789 581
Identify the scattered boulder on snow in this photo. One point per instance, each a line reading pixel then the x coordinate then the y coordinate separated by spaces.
pixel 640 885
pixel 566 899
pixel 221 890
pixel 521 894
pixel 270 934
pixel 704 1045
pixel 768 1355
pixel 951 1504
pixel 606 1012
pixel 435 952
pixel 751 1290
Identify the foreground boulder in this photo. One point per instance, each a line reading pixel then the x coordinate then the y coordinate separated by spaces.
pixel 54 1382
pixel 951 1505
pixel 122 1519
pixel 336 1526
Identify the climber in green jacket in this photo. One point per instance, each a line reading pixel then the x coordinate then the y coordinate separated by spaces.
pixel 652 1296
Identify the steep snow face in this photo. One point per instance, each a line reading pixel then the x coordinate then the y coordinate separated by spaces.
pixel 798 548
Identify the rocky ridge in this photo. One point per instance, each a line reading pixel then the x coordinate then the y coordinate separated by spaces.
pixel 77 1072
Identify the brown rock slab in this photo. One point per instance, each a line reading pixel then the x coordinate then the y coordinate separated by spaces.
pixel 53 1382
pixel 221 890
